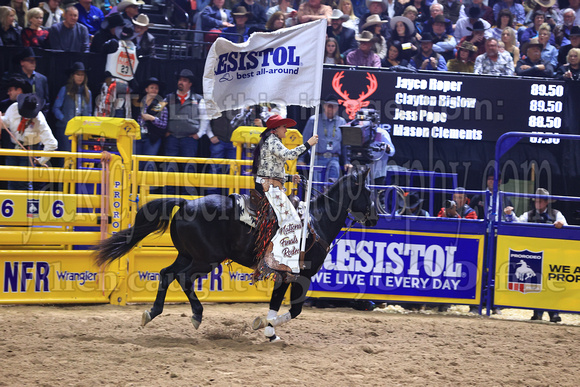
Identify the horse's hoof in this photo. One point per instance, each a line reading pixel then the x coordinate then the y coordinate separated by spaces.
pixel 259 322
pixel 145 318
pixel 195 322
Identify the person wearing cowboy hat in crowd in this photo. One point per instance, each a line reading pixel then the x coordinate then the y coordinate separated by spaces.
pixel 427 59
pixel 486 12
pixel 443 43
pixel 256 14
pixel 143 40
pixel 465 58
pixel 515 8
pixel 532 65
pixel 434 10
pixel 541 213
pixel 466 26
pixel 374 25
pixel 69 35
pixel 74 99
pixel 152 118
pixel 345 37
pixel 312 10
pixel 403 36
pixel 28 126
pixel 364 55
pixel 270 156
pixel 494 62
pixel 38 82
pixel 129 9
pixel 90 16
pixel 330 153
pixel 477 37
pixel 240 32
pixel 187 122
pixel 15 86
pixel 574 43
pixel 107 32
pixel 377 7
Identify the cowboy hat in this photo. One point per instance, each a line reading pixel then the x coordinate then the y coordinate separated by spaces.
pixel 153 80
pixel 113 20
pixel 364 36
pixel 186 73
pixel 575 31
pixel 383 3
pixel 373 20
pixel 241 11
pixel 545 3
pixel 477 26
pixel 337 14
pixel 27 52
pixel 77 66
pixel 534 42
pixel 29 105
pixel 18 83
pixel 474 12
pixel 126 3
pixel 543 192
pixel 468 46
pixel 276 121
pixel 426 38
pixel 410 200
pixel 142 20
pixel 405 20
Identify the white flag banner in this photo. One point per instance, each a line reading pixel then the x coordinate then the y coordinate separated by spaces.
pixel 283 67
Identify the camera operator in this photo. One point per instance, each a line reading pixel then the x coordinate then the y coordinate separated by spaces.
pixel 449 211
pixel 330 152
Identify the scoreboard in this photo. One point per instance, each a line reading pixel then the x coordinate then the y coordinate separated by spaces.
pixel 451 106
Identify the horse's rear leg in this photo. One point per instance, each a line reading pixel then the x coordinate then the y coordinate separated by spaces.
pixel 187 286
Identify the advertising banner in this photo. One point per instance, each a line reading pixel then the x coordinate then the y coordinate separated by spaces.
pixel 405 266
pixel 537 273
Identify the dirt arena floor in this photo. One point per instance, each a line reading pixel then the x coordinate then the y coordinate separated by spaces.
pixel 104 345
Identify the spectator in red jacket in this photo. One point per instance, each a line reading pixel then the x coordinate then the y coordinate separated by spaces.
pixel 462 208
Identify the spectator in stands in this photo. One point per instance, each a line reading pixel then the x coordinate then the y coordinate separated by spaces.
pixel 465 58
pixel 290 14
pixel 377 7
pixel 532 31
pixel 187 120
pixel 515 8
pixel 562 31
pixel 508 38
pixel 571 70
pixel 90 16
pixel 257 15
pixel 466 26
pixel 434 10
pixel 129 9
pixel 532 65
pixel 551 14
pixel 379 44
pixel 477 36
pixel 216 17
pixel 152 119
pixel 330 153
pixel 443 43
pixel 494 62
pixel 143 40
pixel 345 6
pixel 411 14
pixel 449 210
pixel 219 133
pixel 478 201
pixel 10 32
pixel 28 126
pixel 427 59
pixel 411 204
pixel 311 10
pixel 549 52
pixel 574 43
pixel 53 14
pixel 68 35
pixel 463 209
pixel 240 32
pixel 344 36
pixel 74 99
pixel 486 12
pixel 37 81
pixel 394 58
pixel 504 19
pixel 332 52
pixel 364 55
pixel 34 35
pixel 421 8
pixel 403 34
pixel 451 10
pixel 542 213
pixel 107 31
pixel 20 7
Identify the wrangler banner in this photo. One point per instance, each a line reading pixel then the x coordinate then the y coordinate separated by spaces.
pixel 282 67
pixel 537 272
pixel 402 266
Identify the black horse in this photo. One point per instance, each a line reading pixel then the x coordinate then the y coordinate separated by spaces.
pixel 207 232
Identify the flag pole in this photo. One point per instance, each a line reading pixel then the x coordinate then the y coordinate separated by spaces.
pixel 309 187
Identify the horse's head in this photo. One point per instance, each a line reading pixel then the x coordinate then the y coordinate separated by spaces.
pixel 358 195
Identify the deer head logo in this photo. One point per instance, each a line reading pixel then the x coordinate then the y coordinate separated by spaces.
pixel 353 105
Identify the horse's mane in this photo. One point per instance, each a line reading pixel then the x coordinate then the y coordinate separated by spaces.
pixel 317 203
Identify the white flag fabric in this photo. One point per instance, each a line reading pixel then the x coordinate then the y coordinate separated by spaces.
pixel 282 67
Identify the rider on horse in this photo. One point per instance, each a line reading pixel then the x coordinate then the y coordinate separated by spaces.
pixel 270 156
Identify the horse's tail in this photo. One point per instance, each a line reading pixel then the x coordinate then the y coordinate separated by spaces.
pixel 154 216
